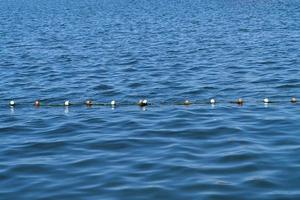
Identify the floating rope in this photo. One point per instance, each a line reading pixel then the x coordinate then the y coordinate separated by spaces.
pixel 144 102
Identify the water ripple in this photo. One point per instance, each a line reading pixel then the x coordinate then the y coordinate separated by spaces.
pixel 165 51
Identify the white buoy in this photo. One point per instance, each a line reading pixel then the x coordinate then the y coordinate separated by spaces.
pixel 113 103
pixel 67 103
pixel 187 102
pixel 266 100
pixel 293 99
pixel 12 103
pixel 89 102
pixel 143 102
pixel 212 101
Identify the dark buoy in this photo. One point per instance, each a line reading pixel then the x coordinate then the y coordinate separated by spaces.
pixel 143 102
pixel 89 103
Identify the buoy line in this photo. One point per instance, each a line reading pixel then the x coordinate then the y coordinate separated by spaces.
pixel 144 102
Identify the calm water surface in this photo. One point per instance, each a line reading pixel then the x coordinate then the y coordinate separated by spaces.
pixel 163 51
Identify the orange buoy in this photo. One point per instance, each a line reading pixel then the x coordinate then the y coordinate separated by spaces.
pixel 240 101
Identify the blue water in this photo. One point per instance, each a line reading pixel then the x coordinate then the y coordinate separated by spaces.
pixel 165 51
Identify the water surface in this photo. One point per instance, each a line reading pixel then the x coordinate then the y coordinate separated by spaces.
pixel 165 51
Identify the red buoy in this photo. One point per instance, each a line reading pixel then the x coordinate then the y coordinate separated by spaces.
pixel 37 103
